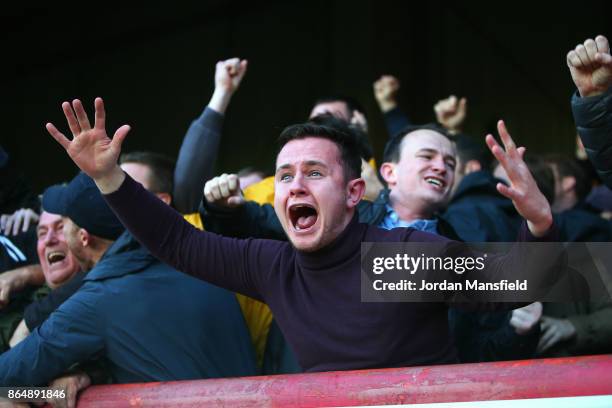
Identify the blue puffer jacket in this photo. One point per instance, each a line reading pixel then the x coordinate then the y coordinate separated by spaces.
pixel 593 117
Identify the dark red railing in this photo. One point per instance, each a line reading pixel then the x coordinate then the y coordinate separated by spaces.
pixel 546 378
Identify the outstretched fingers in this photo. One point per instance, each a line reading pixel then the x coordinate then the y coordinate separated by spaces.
pixel 73 123
pixel 100 120
pixel 57 135
pixel 507 192
pixel 81 115
pixel 506 138
pixel 498 152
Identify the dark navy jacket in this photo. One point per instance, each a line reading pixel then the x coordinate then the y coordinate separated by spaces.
pixel 150 321
pixel 479 213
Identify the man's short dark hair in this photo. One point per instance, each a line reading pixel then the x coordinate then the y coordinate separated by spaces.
pixel 468 149
pixel 393 152
pixel 352 104
pixel 161 166
pixel 335 130
pixel 542 174
pixel 366 151
pixel 567 167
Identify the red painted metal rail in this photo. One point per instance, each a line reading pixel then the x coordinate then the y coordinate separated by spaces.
pixel 559 377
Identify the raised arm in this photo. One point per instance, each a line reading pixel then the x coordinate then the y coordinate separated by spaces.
pixel 590 65
pixel 385 92
pixel 240 266
pixel 225 211
pixel 196 160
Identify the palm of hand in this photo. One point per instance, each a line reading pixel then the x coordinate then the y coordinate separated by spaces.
pixel 91 148
pixel 93 152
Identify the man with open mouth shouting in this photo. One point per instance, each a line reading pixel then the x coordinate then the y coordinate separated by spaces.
pixel 313 284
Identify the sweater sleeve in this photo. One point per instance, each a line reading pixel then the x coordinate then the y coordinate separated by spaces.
pixel 196 160
pixel 250 220
pixel 396 120
pixel 593 117
pixel 238 265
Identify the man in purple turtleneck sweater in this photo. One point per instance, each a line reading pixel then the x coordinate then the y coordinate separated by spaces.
pixel 313 283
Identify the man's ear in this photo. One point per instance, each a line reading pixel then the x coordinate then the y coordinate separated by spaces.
pixel 355 190
pixel 568 184
pixel 472 166
pixel 387 171
pixel 84 237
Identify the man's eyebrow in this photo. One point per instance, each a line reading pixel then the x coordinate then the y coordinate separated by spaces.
pixel 283 167
pixel 430 150
pixel 315 163
pixel 427 150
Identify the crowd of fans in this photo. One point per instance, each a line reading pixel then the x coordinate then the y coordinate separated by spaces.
pixel 95 282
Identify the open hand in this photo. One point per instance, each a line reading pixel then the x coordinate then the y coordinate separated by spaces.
pixel 91 149
pixel 523 190
pixel 19 221
pixel 554 331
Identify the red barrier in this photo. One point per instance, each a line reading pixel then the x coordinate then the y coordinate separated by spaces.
pixel 559 377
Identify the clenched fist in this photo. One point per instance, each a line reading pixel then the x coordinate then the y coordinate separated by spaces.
pixel 224 191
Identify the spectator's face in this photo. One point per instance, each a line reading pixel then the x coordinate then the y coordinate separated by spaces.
pixel 143 175
pixel 57 261
pixel 139 172
pixel 311 196
pixel 71 232
pixel 337 109
pixel 425 172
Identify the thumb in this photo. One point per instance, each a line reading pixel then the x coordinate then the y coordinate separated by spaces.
pixel 236 201
pixel 604 59
pixel 4 297
pixel 119 136
pixel 84 381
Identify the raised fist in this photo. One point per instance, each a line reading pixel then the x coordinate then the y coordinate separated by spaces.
pixel 591 66
pixel 450 113
pixel 229 74
pixel 224 191
pixel 385 91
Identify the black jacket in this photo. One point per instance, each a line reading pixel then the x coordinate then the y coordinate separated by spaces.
pixel 593 117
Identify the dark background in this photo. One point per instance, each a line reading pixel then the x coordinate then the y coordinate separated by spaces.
pixel 154 66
